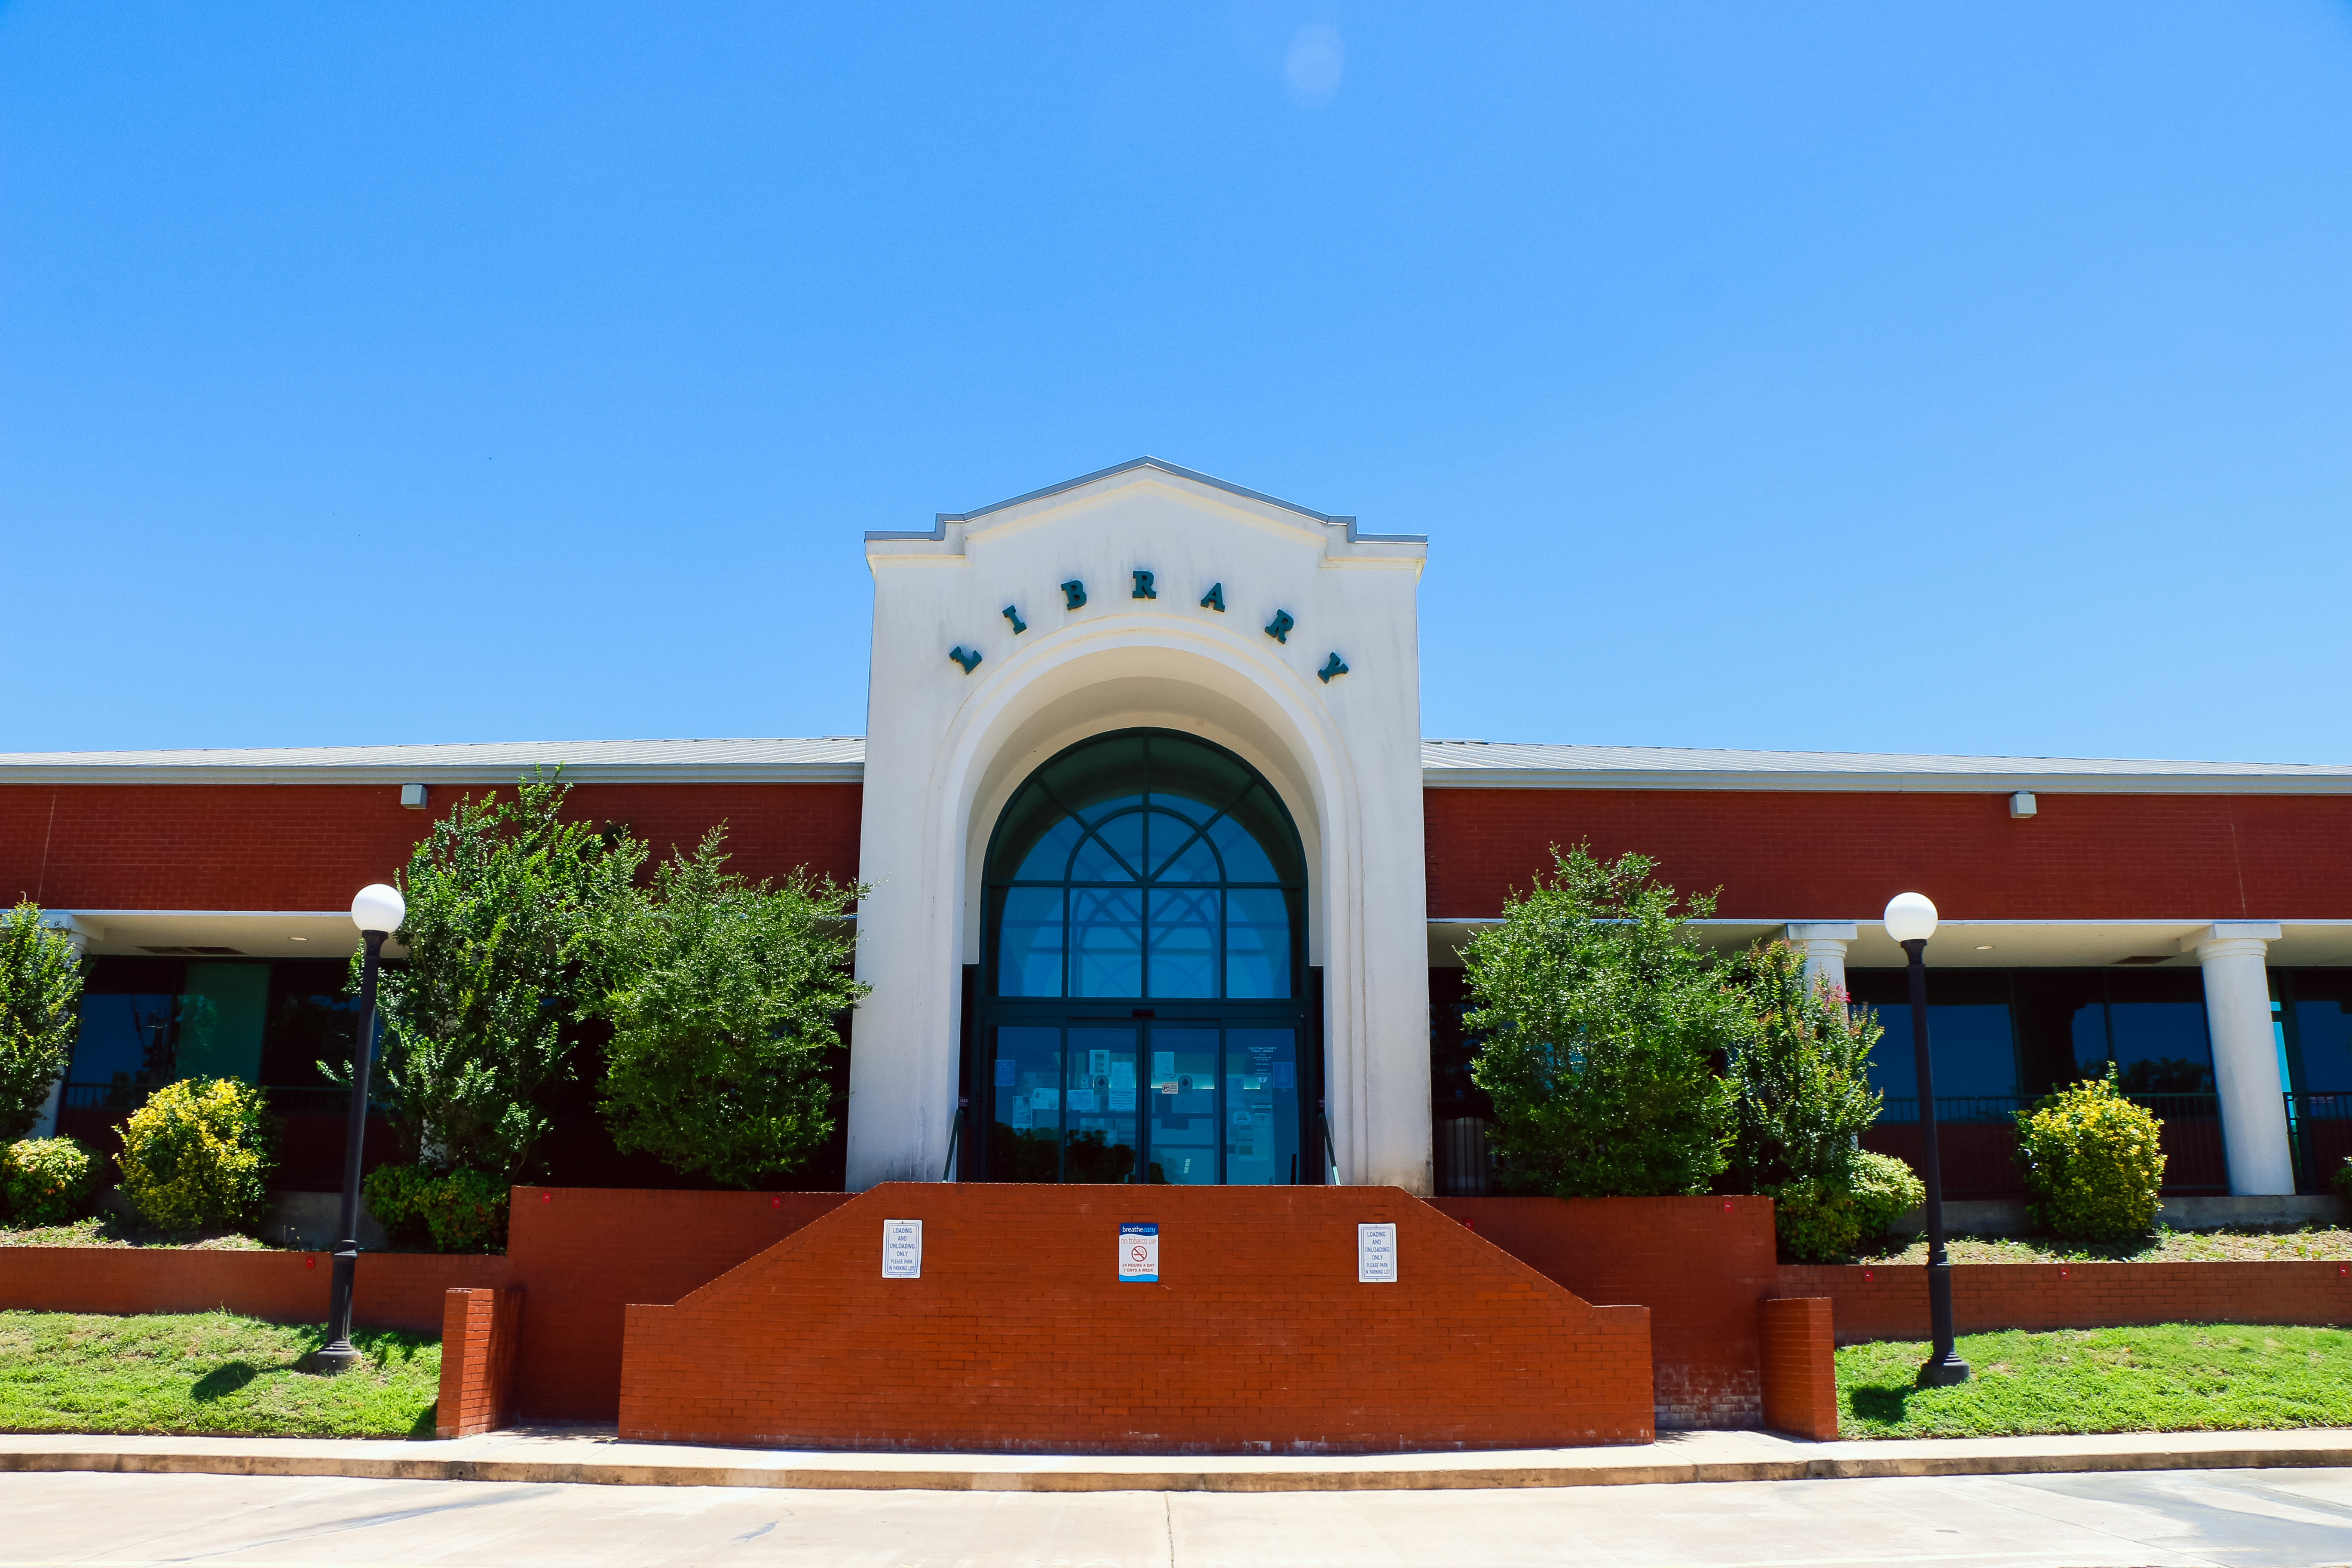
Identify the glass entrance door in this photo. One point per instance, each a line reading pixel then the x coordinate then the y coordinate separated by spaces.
pixel 1180 1102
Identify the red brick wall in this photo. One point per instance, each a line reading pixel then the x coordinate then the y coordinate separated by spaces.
pixel 1698 1264
pixel 585 1253
pixel 1822 856
pixel 1800 1366
pixel 391 1291
pixel 1882 1302
pixel 1019 1336
pixel 480 1332
pixel 312 846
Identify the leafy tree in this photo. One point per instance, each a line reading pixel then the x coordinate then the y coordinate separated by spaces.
pixel 513 914
pixel 1606 1029
pixel 720 1028
pixel 1802 1075
pixel 41 1011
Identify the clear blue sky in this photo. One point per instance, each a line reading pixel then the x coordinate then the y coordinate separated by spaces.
pixel 1964 377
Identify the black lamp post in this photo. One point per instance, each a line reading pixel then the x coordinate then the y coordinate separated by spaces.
pixel 1911 920
pixel 377 911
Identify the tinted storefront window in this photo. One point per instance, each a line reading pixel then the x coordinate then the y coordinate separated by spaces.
pixel 1968 1031
pixel 146 1022
pixel 2315 1005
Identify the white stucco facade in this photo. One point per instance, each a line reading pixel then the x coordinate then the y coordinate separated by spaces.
pixel 945 747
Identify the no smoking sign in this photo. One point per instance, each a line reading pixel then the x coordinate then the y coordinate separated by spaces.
pixel 1139 1254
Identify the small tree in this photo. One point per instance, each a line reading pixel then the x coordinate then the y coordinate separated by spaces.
pixel 720 1031
pixel 40 1010
pixel 511 915
pixel 1801 1074
pixel 1606 1029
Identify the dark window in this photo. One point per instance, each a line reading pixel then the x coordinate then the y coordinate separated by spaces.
pixel 2315 1005
pixel 1968 1031
pixel 310 1021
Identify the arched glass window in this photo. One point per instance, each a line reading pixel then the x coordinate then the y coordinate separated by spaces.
pixel 1146 864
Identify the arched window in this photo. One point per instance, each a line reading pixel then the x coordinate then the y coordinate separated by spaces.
pixel 1143 1011
pixel 1146 864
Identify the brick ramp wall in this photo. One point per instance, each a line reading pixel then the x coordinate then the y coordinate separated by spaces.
pixel 1882 1301
pixel 585 1253
pixel 1019 1336
pixel 1700 1265
pixel 389 1290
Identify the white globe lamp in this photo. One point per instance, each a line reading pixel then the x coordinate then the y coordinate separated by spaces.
pixel 379 908
pixel 1910 917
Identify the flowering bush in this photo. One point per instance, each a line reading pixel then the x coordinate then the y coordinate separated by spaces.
pixel 45 1181
pixel 2093 1161
pixel 197 1156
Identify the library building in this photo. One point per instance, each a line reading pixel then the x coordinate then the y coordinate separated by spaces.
pixel 1168 887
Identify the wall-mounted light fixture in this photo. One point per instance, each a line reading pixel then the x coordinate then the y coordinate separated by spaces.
pixel 413 796
pixel 2022 804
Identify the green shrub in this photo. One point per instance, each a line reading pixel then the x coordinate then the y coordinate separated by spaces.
pixel 2344 1179
pixel 2094 1161
pixel 1801 1074
pixel 45 1181
pixel 721 1037
pixel 466 1212
pixel 1605 1023
pixel 395 1196
pixel 41 1011
pixel 1814 1220
pixel 1884 1190
pixel 197 1156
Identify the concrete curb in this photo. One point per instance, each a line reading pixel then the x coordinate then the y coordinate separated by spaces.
pixel 1244 1477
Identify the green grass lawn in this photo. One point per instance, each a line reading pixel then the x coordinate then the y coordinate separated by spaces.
pixel 207 1372
pixel 2173 1377
pixel 2235 1244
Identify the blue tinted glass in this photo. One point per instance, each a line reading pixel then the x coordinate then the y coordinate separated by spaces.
pixel 1096 863
pixel 1178 853
pixel 2324 1029
pixel 1974 1056
pixel 1184 941
pixel 1183 1083
pixel 1192 811
pixel 1257 944
pixel 1261 1106
pixel 1106 941
pixel 1029 947
pixel 1098 1112
pixel 1025 1133
pixel 1046 862
pixel 1244 861
pixel 2089 1032
pixel 124 1038
pixel 2161 1048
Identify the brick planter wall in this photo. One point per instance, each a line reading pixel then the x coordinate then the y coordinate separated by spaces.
pixel 480 1333
pixel 1800 1366
pixel 389 1290
pixel 1700 1265
pixel 1018 1336
pixel 1882 1301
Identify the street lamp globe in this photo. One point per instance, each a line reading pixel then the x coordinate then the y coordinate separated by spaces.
pixel 1910 917
pixel 379 908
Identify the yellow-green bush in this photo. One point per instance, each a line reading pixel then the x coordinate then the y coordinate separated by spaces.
pixel 2093 1161
pixel 45 1181
pixel 1822 1219
pixel 197 1156
pixel 1884 1190
pixel 466 1212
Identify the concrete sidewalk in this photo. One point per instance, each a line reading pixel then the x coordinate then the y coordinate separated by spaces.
pixel 593 1456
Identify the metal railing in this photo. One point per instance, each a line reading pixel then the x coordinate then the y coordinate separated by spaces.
pixel 286 1099
pixel 1466 1160
pixel 2319 1131
pixel 1977 1137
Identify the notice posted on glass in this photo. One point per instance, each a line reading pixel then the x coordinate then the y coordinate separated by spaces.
pixel 1376 1259
pixel 902 1250
pixel 1139 1254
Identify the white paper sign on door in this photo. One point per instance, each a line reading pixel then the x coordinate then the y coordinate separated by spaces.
pixel 902 1250
pixel 1139 1254
pixel 1376 1259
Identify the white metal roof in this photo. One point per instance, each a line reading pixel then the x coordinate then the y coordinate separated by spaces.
pixel 1453 764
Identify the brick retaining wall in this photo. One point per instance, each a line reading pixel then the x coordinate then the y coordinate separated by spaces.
pixel 1889 1301
pixel 389 1290
pixel 1019 1336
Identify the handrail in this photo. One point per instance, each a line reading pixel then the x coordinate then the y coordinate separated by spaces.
pixel 1330 1155
pixel 955 1135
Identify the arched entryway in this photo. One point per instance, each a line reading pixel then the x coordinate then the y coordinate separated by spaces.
pixel 1143 1001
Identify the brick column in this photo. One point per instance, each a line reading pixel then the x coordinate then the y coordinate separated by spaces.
pixel 1800 1366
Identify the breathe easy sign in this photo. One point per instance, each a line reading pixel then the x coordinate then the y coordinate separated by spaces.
pixel 1139 1254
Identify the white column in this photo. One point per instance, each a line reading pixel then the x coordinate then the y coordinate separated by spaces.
pixel 2246 1054
pixel 78 934
pixel 1824 944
